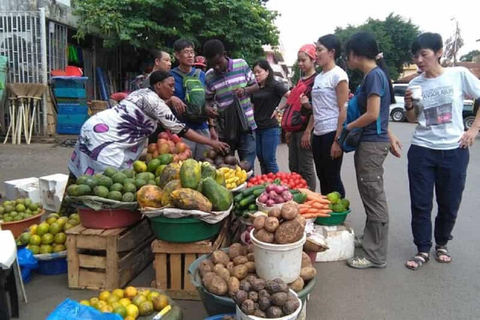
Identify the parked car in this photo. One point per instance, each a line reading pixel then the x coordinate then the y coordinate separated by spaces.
pixel 468 114
pixel 397 109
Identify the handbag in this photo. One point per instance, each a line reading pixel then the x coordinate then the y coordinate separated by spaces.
pixel 232 122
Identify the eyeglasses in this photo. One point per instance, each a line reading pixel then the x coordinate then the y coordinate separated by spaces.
pixel 188 52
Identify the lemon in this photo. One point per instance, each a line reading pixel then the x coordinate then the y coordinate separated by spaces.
pixel 132 311
pixel 106 309
pixel 119 293
pixel 85 303
pixel 104 295
pixel 125 302
pixel 93 301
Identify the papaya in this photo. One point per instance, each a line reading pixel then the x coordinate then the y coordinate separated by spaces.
pixel 185 198
pixel 171 172
pixel 167 191
pixel 220 178
pixel 190 174
pixel 208 171
pixel 219 196
pixel 150 196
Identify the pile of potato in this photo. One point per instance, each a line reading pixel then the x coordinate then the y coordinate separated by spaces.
pixel 282 226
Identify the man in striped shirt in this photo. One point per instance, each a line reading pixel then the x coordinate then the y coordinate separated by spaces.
pixel 226 78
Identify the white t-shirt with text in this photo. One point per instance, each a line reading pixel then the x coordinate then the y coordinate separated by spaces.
pixel 324 100
pixel 440 123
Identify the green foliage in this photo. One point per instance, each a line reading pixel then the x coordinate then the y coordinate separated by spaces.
pixel 394 35
pixel 243 25
pixel 469 56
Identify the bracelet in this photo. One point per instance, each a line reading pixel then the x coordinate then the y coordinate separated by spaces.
pixel 408 109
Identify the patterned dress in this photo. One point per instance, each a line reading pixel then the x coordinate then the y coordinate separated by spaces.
pixel 116 137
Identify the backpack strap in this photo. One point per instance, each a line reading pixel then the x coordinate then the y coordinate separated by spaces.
pixel 181 74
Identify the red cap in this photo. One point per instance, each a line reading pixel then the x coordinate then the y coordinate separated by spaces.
pixel 200 61
pixel 309 50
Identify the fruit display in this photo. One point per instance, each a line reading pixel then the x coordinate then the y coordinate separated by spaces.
pixel 130 303
pixel 168 144
pixel 19 209
pixel 337 203
pixel 113 184
pixel 233 177
pixel 281 226
pixel 319 206
pixel 275 194
pixel 48 236
pixel 190 185
pixel 227 161
pixel 291 180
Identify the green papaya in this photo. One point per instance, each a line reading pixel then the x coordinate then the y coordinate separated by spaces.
pixel 208 171
pixel 189 199
pixel 171 172
pixel 190 174
pixel 219 196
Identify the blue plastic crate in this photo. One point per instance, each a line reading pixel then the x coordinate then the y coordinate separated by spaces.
pixel 72 109
pixel 69 82
pixel 65 128
pixel 70 92
pixel 51 267
pixel 79 101
pixel 70 123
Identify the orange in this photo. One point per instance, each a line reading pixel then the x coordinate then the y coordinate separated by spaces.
pixel 104 295
pixel 139 299
pixel 93 301
pixel 130 292
pixel 125 302
pixel 132 311
pixel 106 309
pixel 119 293
pixel 111 299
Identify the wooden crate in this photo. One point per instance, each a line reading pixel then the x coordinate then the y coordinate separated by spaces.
pixel 172 261
pixel 106 259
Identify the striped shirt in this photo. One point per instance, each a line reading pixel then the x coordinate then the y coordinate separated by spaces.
pixel 220 87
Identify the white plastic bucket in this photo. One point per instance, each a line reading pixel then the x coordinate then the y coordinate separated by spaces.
pixel 293 316
pixel 282 261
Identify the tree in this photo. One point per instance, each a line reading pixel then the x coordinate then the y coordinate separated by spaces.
pixel 394 36
pixel 470 56
pixel 453 44
pixel 242 25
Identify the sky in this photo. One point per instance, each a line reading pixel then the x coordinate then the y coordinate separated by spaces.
pixel 304 21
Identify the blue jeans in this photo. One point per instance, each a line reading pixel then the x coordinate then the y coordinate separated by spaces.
pixel 267 142
pixel 446 172
pixel 246 148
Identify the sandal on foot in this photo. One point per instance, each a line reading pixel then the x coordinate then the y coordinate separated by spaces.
pixel 364 263
pixel 441 251
pixel 420 259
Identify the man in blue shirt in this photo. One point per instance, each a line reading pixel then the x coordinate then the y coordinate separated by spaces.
pixel 185 55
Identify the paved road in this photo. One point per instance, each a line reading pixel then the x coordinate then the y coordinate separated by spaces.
pixel 440 292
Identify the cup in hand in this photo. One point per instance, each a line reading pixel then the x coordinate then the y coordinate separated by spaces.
pixel 416 92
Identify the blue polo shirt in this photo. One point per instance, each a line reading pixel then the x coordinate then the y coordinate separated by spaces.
pixel 180 93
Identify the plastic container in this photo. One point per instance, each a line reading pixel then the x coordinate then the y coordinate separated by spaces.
pixel 214 304
pixel 274 261
pixel 17 227
pixel 183 230
pixel 52 267
pixel 70 123
pixel 335 218
pixel 69 82
pixel 70 92
pixel 220 316
pixel 108 218
pixel 67 108
pixel 293 316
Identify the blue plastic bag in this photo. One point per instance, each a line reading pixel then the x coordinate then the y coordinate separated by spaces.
pixel 72 310
pixel 26 259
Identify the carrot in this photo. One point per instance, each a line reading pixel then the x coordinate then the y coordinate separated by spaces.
pixel 316 198
pixel 319 205
pixel 309 216
pixel 303 210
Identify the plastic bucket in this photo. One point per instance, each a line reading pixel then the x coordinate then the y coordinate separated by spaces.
pixel 17 227
pixel 183 230
pixel 293 316
pixel 108 218
pixel 335 218
pixel 274 261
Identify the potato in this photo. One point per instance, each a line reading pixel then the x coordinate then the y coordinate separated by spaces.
pixel 217 286
pixel 308 273
pixel 204 267
pixel 290 306
pixel 259 222
pixel 253 295
pixel 260 314
pixel 234 250
pixel 250 266
pixel 250 248
pixel 208 277
pixel 306 261
pixel 230 266
pixel 258 284
pixel 263 294
pixel 251 257
pixel 289 232
pixel 240 297
pixel 248 307
pixel 273 286
pixel 279 298
pixel 240 272
pixel 251 277
pixel 240 260
pixel 297 285
pixel 275 212
pixel 271 224
pixel 245 286
pixel 233 285
pixel 217 267
pixel 289 211
pixel 223 273
pixel 264 303
pixel 274 312
pixel 220 257
pixel 302 220
pixel 265 236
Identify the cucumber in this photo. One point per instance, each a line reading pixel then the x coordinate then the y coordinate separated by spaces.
pixel 258 192
pixel 238 197
pixel 253 207
pixel 247 201
pixel 249 191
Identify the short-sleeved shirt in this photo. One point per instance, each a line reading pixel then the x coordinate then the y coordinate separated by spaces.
pixel 220 86
pixel 324 100
pixel 375 83
pixel 264 103
pixel 440 123
pixel 116 137
pixel 180 93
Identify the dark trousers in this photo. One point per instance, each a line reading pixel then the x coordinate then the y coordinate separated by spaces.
pixel 328 169
pixel 442 170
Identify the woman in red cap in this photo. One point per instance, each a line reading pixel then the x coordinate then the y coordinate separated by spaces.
pixel 296 118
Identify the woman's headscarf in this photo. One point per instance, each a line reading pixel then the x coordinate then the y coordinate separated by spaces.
pixel 309 50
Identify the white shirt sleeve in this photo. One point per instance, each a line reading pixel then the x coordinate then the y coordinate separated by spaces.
pixel 471 85
pixel 340 75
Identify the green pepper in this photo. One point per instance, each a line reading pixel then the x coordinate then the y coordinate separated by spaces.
pixel 300 197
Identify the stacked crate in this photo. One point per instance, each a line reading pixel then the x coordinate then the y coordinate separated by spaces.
pixel 72 106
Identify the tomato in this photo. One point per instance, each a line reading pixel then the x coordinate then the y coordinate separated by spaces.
pixel 270 175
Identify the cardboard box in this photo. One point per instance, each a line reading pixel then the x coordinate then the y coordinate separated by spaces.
pixel 52 188
pixel 23 188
